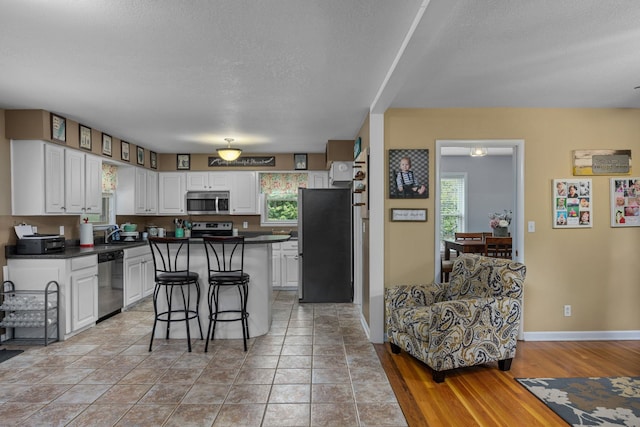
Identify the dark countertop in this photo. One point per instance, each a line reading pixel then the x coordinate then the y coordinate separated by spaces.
pixel 77 251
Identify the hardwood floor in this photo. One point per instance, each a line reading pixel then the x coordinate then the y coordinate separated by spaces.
pixel 486 396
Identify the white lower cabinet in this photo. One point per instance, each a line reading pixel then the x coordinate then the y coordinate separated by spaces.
pixel 84 298
pixel 289 264
pixel 138 274
pixel 78 281
pixel 148 275
pixel 285 265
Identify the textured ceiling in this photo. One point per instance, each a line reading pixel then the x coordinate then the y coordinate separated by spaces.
pixel 287 75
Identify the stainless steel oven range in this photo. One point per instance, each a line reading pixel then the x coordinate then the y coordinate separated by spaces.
pixel 212 228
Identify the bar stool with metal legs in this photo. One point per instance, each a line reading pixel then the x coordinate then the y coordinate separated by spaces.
pixel 174 280
pixel 225 261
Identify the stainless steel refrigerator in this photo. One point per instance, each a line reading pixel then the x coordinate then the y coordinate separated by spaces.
pixel 324 245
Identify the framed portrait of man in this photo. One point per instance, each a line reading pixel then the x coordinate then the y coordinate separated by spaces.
pixel 409 174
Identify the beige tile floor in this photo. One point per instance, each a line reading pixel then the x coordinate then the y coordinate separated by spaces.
pixel 314 368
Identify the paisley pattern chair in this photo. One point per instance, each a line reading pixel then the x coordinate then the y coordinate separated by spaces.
pixel 472 320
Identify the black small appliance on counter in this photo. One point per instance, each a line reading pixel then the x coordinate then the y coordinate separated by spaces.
pixel 39 244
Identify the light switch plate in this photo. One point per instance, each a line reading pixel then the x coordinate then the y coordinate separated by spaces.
pixel 532 226
pixel 62 230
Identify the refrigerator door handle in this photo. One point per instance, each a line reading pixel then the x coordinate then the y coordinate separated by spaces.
pixel 300 287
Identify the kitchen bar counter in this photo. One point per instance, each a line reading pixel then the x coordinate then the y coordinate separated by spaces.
pixel 77 251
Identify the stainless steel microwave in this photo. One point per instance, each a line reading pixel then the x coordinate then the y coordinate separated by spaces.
pixel 208 202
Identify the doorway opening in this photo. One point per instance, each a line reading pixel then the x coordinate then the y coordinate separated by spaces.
pixel 508 194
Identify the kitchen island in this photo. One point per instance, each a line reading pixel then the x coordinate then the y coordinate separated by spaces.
pixel 77 314
pixel 258 264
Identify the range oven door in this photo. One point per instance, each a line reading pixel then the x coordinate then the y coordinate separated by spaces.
pixel 208 203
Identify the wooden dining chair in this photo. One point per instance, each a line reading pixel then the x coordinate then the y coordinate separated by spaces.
pixel 446 267
pixel 468 236
pixel 497 247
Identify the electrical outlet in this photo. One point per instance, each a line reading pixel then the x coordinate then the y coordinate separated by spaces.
pixel 245 224
pixel 62 230
pixel 567 310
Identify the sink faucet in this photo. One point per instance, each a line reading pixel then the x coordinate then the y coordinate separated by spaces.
pixel 109 235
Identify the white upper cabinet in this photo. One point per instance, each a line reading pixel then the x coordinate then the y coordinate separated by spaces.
pixel 137 192
pixel 171 193
pixel 318 179
pixel 53 190
pixel 93 184
pixel 208 181
pixel 146 197
pixel 50 179
pixel 244 193
pixel 74 181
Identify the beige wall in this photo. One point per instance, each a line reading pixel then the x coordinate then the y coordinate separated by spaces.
pixel 595 270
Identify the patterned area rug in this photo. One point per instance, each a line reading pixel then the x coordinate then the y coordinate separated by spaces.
pixel 590 401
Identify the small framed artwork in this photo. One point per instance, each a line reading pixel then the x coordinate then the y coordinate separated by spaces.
pixel 409 174
pixel 85 137
pixel 183 162
pixel 58 129
pixel 572 203
pixel 124 151
pixel 410 215
pixel 106 144
pixel 300 161
pixel 625 202
pixel 140 156
pixel 153 158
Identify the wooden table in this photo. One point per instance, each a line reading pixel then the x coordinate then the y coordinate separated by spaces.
pixel 464 246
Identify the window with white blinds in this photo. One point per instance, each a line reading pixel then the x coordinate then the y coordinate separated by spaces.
pixel 453 206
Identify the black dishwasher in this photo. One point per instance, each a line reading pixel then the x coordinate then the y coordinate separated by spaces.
pixel 110 283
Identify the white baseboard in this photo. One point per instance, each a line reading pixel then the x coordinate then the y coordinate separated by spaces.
pixel 363 321
pixel 582 336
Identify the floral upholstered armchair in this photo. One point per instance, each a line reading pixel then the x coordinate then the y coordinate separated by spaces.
pixel 472 320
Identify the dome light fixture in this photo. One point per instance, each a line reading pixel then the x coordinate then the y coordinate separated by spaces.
pixel 478 151
pixel 229 154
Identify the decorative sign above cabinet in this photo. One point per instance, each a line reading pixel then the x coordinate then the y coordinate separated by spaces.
pixel 243 161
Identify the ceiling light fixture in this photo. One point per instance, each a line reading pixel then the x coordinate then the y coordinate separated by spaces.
pixel 478 151
pixel 229 154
